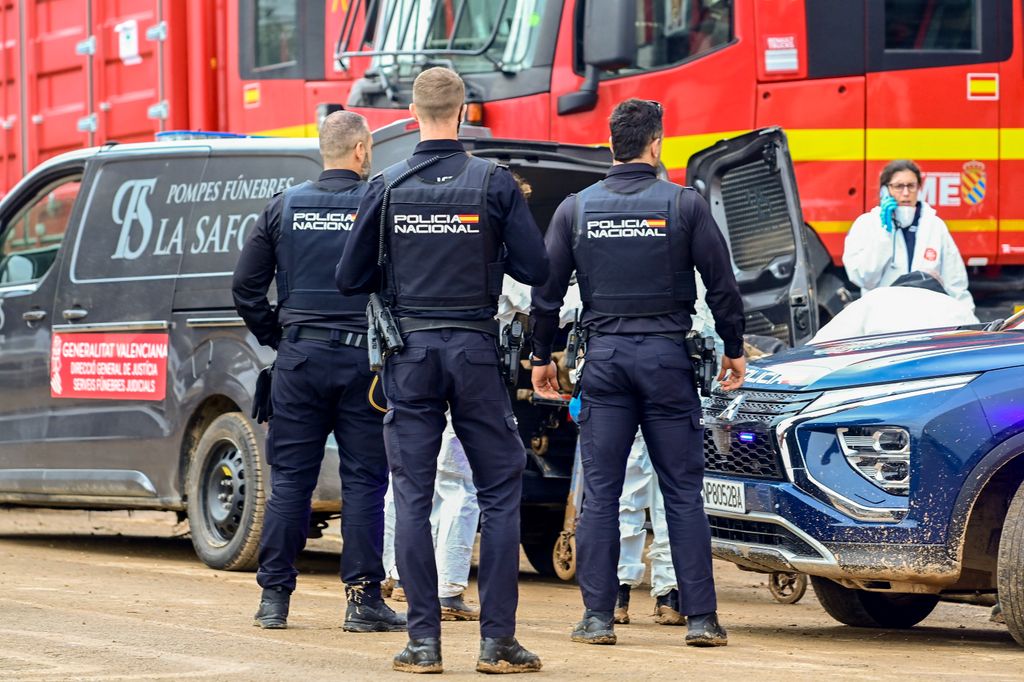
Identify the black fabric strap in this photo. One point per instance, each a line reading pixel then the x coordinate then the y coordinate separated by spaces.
pixel 418 324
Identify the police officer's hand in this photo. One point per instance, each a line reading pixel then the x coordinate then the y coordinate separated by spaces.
pixel 737 368
pixel 545 381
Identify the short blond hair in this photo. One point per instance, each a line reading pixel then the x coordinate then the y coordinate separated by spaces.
pixel 438 93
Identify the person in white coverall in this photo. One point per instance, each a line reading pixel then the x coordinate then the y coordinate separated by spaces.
pixel 914 301
pixel 640 492
pixel 903 234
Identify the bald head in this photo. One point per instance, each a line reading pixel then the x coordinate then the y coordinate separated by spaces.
pixel 345 142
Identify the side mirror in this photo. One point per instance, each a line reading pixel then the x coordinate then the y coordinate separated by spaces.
pixel 609 34
pixel 609 43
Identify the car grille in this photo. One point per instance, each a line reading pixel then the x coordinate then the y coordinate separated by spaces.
pixel 760 533
pixel 756 216
pixel 755 455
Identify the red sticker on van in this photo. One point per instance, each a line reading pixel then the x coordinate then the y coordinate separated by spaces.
pixel 930 254
pixel 108 366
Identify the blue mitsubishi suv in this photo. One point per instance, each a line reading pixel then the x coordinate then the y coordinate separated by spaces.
pixel 888 468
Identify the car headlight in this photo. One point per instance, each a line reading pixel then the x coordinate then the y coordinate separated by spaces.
pixel 881 454
pixel 846 398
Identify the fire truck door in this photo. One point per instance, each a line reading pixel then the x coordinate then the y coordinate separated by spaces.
pixel 933 97
pixel 686 50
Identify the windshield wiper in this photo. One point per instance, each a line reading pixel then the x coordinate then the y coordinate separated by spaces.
pixel 448 51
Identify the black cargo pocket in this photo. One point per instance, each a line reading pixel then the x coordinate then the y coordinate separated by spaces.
pixel 289 362
pixel 391 441
pixel 480 377
pixel 408 375
pixel 599 354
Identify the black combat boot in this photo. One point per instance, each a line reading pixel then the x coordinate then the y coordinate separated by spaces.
pixel 621 615
pixel 505 655
pixel 595 628
pixel 704 630
pixel 456 608
pixel 666 609
pixel 367 611
pixel 420 656
pixel 273 611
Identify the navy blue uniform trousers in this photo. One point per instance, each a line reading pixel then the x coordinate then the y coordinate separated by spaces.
pixel 319 389
pixel 645 381
pixel 456 368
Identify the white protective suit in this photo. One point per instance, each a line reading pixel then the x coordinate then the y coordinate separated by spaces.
pixel 896 309
pixel 874 257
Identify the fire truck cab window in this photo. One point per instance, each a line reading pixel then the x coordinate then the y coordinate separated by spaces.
pixel 276 32
pixel 29 242
pixel 673 31
pixel 930 25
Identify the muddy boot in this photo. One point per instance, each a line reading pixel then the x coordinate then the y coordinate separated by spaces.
pixel 505 655
pixel 666 610
pixel 397 591
pixel 595 628
pixel 621 615
pixel 367 612
pixel 420 656
pixel 456 608
pixel 704 630
pixel 273 611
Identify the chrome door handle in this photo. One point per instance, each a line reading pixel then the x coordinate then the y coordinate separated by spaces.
pixel 33 315
pixel 75 313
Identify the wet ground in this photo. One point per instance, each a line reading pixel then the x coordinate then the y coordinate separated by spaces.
pixel 113 596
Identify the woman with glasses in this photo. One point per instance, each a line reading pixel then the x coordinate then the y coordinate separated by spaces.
pixel 901 235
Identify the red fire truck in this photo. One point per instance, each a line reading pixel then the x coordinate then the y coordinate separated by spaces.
pixel 76 73
pixel 854 83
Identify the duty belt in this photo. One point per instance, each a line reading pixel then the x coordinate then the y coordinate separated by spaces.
pixel 323 334
pixel 672 336
pixel 419 324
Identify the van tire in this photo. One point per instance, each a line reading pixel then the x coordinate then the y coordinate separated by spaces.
pixel 863 609
pixel 1010 567
pixel 225 488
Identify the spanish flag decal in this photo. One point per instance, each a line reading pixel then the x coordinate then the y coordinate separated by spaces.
pixel 983 86
pixel 469 218
pixel 655 222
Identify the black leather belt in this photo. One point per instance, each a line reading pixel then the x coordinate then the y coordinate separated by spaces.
pixel 419 324
pixel 322 334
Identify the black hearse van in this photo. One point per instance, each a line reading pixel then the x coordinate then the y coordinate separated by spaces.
pixel 126 377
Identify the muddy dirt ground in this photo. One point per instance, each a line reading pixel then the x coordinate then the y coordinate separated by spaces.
pixel 113 596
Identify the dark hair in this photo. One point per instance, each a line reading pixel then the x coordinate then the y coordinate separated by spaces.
pixel 634 124
pixel 920 280
pixel 894 167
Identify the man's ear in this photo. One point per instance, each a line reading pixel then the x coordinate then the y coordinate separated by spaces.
pixel 611 146
pixel 412 112
pixel 656 148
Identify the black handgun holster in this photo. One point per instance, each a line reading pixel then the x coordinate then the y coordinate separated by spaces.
pixel 262 407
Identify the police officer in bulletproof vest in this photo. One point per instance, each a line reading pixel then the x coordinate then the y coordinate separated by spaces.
pixel 634 241
pixel 454 224
pixel 320 380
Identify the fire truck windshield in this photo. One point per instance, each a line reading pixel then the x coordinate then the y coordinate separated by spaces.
pixel 475 36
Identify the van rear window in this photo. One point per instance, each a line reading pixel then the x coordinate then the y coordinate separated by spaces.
pixel 181 216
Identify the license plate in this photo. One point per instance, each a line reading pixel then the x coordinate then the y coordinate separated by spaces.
pixel 724 496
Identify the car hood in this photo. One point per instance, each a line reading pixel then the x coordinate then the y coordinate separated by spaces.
pixel 886 358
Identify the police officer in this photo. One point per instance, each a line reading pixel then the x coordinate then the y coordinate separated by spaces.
pixel 634 241
pixel 453 228
pixel 320 380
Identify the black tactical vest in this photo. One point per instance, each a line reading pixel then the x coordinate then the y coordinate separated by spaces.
pixel 315 224
pixel 632 255
pixel 444 254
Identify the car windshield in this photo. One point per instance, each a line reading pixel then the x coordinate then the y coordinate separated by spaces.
pixel 474 35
